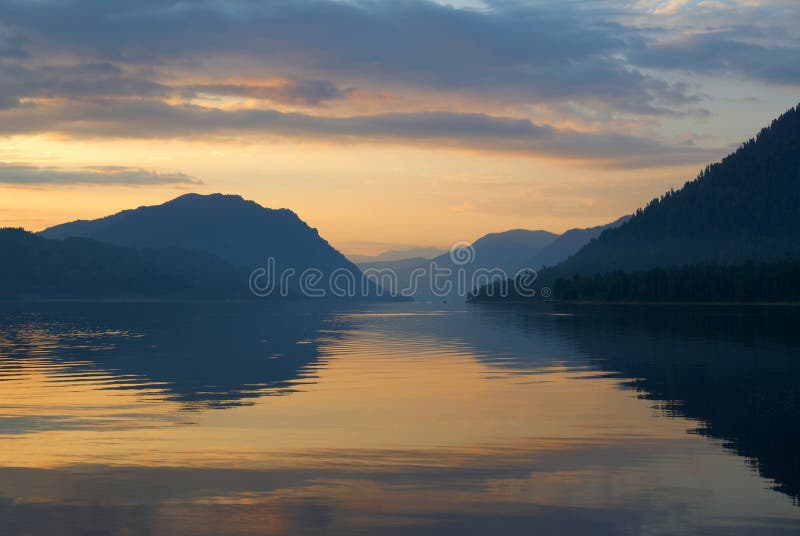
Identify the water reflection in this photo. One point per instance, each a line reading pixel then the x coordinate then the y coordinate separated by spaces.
pixel 397 418
pixel 736 370
pixel 201 354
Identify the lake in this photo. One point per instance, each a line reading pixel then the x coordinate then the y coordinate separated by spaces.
pixel 405 418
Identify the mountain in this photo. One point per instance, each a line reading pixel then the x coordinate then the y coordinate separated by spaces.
pixel 493 253
pixel 746 207
pixel 712 240
pixel 240 232
pixel 401 264
pixel 398 255
pixel 747 282
pixel 84 268
pixel 505 250
pixel 501 253
pixel 568 244
pixel 399 274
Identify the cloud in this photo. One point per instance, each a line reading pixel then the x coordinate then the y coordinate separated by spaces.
pixel 13 53
pixel 669 7
pixel 80 81
pixel 12 46
pixel 106 79
pixel 523 52
pixel 21 174
pixel 720 52
pixel 476 78
pixel 510 51
pixel 475 131
pixel 305 92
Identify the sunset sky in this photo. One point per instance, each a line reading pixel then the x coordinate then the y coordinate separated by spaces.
pixel 383 124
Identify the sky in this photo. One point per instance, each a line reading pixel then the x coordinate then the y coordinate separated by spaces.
pixel 384 124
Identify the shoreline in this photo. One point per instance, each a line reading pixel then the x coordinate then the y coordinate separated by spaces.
pixel 662 303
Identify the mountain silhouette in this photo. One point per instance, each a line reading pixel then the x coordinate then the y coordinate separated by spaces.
pixel 722 237
pixel 398 265
pixel 746 207
pixel 568 244
pixel 238 231
pixel 85 268
pixel 495 252
pixel 505 250
pixel 392 255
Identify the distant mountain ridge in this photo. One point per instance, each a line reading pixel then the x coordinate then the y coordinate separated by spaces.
pixel 503 250
pixel 491 253
pixel 739 216
pixel 508 252
pixel 398 255
pixel 568 243
pixel 402 264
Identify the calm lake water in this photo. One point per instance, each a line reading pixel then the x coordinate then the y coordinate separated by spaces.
pixel 399 419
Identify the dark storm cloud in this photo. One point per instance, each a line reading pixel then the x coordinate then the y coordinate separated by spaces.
pixel 19 174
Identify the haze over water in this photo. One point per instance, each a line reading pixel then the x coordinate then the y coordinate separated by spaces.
pixel 399 418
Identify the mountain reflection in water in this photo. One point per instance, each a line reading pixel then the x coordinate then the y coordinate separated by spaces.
pixel 398 418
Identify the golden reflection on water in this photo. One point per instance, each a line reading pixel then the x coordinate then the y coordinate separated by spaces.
pixel 370 393
pixel 382 430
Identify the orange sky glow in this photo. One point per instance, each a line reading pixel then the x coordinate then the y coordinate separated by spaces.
pixel 397 133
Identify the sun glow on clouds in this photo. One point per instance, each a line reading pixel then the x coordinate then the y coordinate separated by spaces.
pixel 470 116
